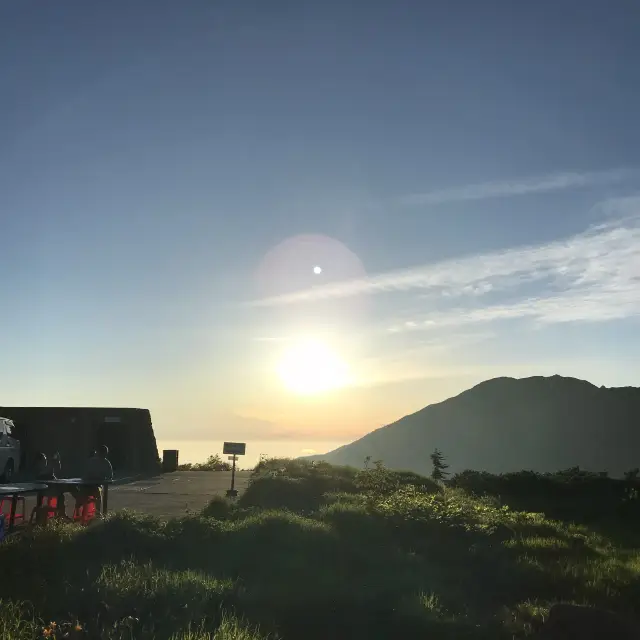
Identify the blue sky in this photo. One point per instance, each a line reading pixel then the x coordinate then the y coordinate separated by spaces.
pixel 469 173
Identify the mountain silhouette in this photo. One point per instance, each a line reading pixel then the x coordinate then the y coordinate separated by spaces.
pixel 508 424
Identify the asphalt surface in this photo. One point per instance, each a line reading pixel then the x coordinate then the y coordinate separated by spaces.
pixel 167 495
pixel 174 494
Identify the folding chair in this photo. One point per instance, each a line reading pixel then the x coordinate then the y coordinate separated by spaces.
pixel 86 511
pixel 18 516
pixel 50 509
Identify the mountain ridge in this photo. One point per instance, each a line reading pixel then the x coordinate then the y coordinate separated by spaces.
pixel 544 423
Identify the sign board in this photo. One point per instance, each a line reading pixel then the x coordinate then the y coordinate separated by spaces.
pixel 235 448
pixel 112 419
pixel 231 458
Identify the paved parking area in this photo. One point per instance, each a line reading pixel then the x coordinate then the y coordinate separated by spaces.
pixel 167 495
pixel 174 494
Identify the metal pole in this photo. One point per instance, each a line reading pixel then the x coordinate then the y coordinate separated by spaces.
pixel 233 473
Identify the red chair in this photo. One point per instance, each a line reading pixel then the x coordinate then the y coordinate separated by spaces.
pixel 50 508
pixel 18 516
pixel 86 511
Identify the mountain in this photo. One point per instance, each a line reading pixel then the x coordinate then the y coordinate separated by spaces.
pixel 509 424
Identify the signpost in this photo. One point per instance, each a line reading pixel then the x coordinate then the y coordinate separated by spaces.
pixel 235 449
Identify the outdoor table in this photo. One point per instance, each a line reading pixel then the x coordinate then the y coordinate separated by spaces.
pixel 61 483
pixel 19 489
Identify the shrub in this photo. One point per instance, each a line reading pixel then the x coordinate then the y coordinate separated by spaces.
pixel 219 508
pixel 297 485
pixel 349 518
pixel 281 492
pixel 212 463
pixel 451 509
pixel 293 468
pixel 344 498
pixel 567 494
pixel 377 480
pixel 412 562
pixel 424 484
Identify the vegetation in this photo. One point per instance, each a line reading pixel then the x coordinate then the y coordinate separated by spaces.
pixel 213 463
pixel 571 494
pixel 314 551
pixel 439 471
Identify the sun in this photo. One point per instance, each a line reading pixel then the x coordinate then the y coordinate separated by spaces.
pixel 311 366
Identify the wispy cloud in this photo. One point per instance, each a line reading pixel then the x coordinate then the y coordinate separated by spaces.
pixel 423 358
pixel 519 187
pixel 590 276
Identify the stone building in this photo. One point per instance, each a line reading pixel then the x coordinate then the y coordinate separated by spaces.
pixel 76 431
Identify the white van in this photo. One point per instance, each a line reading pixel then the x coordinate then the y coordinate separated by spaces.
pixel 9 450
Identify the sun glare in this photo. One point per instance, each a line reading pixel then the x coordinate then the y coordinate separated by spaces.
pixel 312 367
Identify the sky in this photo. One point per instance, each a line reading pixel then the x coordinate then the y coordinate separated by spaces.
pixel 290 223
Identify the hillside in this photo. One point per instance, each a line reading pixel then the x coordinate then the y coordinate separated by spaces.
pixel 507 424
pixel 317 552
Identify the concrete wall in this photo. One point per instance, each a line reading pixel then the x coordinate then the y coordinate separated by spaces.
pixel 76 431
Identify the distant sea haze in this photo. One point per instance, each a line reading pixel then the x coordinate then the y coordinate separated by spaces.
pixel 200 450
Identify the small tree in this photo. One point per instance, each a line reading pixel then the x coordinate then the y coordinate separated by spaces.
pixel 439 466
pixel 212 463
pixel 376 480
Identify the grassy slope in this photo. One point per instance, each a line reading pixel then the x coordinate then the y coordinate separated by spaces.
pixel 313 551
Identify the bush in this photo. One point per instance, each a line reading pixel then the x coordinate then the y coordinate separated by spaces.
pixel 341 476
pixel 297 485
pixel 213 463
pixel 378 480
pixel 348 517
pixel 424 484
pixel 407 563
pixel 567 494
pixel 219 508
pixel 302 495
pixel 408 505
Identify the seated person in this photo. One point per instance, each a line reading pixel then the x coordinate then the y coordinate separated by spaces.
pixel 44 471
pixel 98 466
pixel 98 470
pixel 56 465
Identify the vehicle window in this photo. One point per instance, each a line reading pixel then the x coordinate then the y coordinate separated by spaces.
pixel 9 429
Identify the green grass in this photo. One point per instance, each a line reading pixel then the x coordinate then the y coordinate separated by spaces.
pixel 313 551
